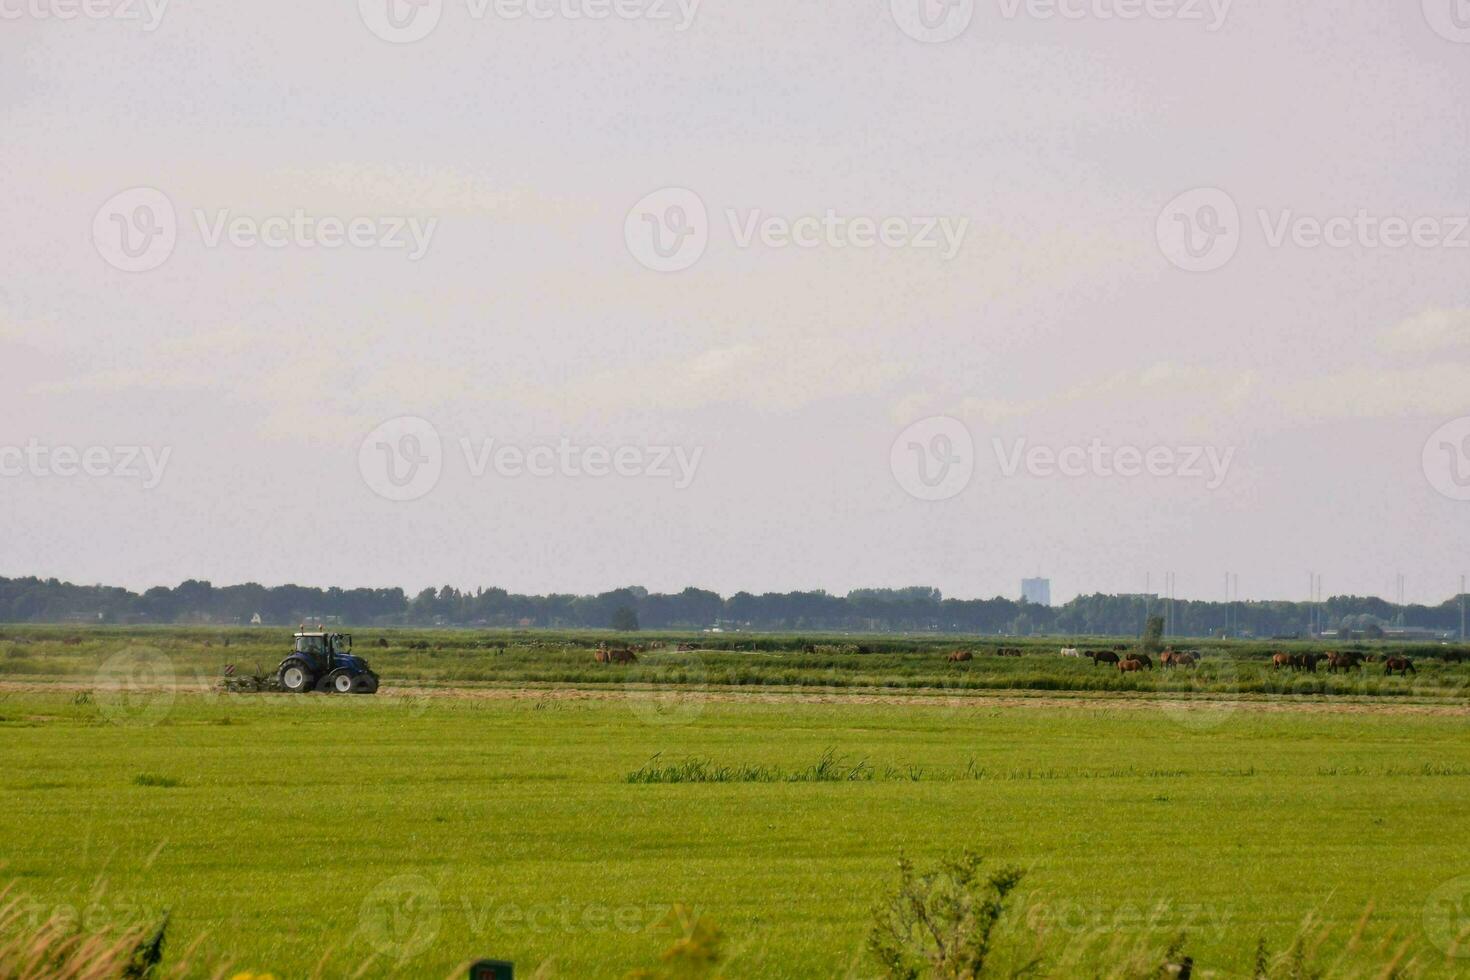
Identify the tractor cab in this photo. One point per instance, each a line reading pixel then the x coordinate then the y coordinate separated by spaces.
pixel 323 647
pixel 324 661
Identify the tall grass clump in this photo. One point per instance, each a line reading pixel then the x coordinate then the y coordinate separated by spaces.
pixel 55 949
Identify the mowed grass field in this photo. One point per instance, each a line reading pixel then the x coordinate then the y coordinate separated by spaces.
pixel 410 834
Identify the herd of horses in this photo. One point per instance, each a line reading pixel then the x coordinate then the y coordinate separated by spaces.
pixel 1341 662
pixel 1124 658
pixel 1129 661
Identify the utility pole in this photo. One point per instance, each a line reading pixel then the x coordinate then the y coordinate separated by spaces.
pixel 1311 607
pixel 1462 609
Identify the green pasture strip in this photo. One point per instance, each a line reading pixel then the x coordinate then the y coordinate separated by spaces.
pixel 423 832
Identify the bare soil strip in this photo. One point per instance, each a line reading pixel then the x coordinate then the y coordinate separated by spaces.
pixel 918 697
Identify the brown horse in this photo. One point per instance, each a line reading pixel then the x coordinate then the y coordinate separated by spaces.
pixel 1343 662
pixel 1305 662
pixel 1130 666
pixel 960 656
pixel 1142 658
pixel 1102 657
pixel 602 656
pixel 1187 659
pixel 1279 660
pixel 1402 665
pixel 1166 659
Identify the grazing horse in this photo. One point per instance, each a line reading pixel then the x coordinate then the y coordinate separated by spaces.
pixel 602 656
pixel 1279 660
pixel 1187 659
pixel 623 656
pixel 1102 657
pixel 1168 659
pixel 1130 666
pixel 960 656
pixel 1343 662
pixel 1403 665
pixel 1306 662
pixel 1071 652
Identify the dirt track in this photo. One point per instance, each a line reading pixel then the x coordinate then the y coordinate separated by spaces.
pixel 921 697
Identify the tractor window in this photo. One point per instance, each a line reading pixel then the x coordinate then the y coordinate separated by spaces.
pixel 308 644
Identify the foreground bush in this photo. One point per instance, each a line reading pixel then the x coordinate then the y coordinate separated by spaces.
pixel 939 924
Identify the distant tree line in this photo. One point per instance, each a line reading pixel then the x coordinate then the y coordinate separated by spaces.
pixel 34 600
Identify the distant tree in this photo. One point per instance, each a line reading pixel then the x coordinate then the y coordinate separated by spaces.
pixel 625 619
pixel 1153 635
pixel 1373 632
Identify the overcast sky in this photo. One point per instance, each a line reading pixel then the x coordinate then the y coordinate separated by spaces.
pixel 999 250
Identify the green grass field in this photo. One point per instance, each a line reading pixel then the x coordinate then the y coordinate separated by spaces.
pixel 314 833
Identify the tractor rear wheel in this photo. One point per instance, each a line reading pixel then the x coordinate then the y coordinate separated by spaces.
pixel 296 677
pixel 340 681
pixel 365 683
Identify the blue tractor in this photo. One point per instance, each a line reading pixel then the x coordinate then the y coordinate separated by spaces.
pixel 323 661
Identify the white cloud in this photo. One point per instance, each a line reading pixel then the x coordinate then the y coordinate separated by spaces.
pixel 1429 331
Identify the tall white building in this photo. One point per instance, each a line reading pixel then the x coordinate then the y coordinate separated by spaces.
pixel 1036 591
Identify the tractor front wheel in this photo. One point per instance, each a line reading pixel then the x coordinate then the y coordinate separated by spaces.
pixel 296 677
